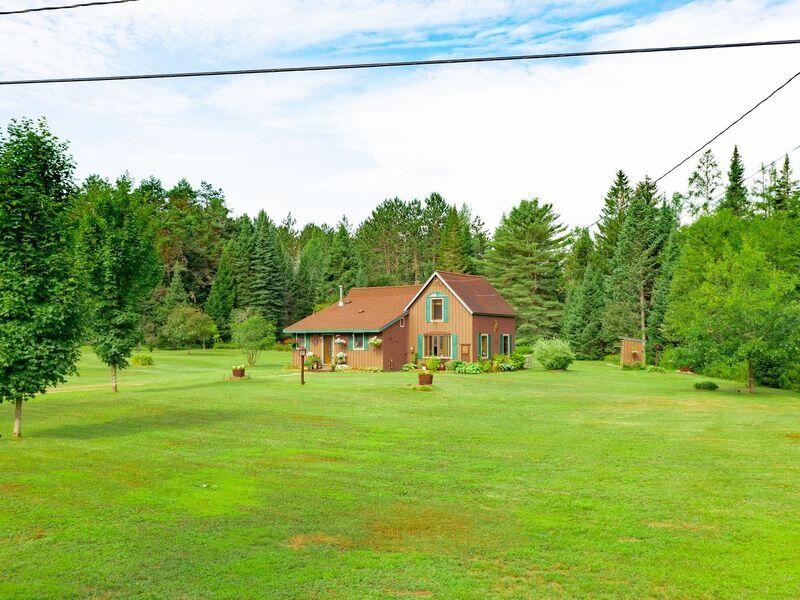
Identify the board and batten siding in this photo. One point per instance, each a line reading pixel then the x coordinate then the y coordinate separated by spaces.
pixel 357 359
pixel 395 346
pixel 495 327
pixel 459 320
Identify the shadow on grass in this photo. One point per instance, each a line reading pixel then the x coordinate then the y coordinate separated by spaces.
pixel 136 423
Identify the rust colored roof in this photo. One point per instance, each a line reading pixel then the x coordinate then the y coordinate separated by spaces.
pixel 369 309
pixel 478 294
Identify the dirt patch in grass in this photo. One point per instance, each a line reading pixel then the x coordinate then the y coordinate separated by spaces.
pixel 315 420
pixel 682 526
pixel 793 436
pixel 409 593
pixel 629 540
pixel 517 580
pixel 404 526
pixel 315 458
pixel 309 540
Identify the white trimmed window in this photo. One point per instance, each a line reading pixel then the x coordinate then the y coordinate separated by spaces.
pixel 402 321
pixel 358 341
pixel 484 345
pixel 505 344
pixel 437 345
pixel 437 309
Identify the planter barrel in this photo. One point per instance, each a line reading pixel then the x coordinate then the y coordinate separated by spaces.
pixel 426 378
pixel 238 373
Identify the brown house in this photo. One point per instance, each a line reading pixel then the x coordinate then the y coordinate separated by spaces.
pixel 452 316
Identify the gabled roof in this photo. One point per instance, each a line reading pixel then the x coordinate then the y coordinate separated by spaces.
pixel 368 309
pixel 473 291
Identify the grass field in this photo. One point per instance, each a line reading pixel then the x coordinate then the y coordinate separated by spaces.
pixel 593 482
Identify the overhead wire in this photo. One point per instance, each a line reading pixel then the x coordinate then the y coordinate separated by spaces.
pixel 23 11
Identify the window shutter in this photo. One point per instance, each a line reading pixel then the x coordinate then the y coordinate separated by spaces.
pixel 352 341
pixel 454 345
pixel 445 308
pixel 490 345
pixel 306 342
pixel 428 309
pixel 419 346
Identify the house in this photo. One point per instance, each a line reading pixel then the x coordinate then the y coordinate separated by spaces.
pixel 451 315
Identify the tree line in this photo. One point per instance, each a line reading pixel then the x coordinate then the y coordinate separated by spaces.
pixel 706 277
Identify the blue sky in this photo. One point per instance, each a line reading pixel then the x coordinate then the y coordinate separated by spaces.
pixel 327 144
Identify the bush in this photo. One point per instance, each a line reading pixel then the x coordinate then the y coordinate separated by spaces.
pixel 452 365
pixel 142 360
pixel 653 369
pixel 222 345
pixel 523 349
pixel 468 368
pixel 637 366
pixel 409 367
pixel 342 367
pixel 677 358
pixel 433 363
pixel 485 366
pixel 281 347
pixel 706 385
pixel 252 333
pixel 612 359
pixel 554 354
pixel 518 359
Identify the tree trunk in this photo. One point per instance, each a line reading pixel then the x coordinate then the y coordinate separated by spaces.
pixel 204 344
pixel 751 378
pixel 114 378
pixel 18 419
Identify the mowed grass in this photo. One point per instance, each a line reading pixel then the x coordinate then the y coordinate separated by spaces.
pixel 593 482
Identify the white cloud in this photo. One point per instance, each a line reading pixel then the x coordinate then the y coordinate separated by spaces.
pixel 327 144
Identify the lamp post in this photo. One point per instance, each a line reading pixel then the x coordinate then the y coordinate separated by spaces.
pixel 302 352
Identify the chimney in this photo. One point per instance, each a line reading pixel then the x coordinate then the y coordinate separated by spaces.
pixel 341 296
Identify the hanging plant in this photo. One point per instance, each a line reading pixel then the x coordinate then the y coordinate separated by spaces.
pixel 340 341
pixel 375 341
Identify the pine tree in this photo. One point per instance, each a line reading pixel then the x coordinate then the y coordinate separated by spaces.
pixel 222 298
pixel 786 189
pixel 764 190
pixel 612 216
pixel 176 293
pixel 584 325
pixel 581 250
pixel 736 193
pixel 632 269
pixel 242 263
pixel 269 285
pixel 341 267
pixel 524 263
pixel 703 184
pixel 661 290
pixel 303 293
pixel 455 247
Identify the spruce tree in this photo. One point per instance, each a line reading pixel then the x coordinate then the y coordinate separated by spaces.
pixel 660 297
pixel 612 216
pixel 735 198
pixel 764 190
pixel 524 263
pixel 222 298
pixel 704 182
pixel 786 189
pixel 455 248
pixel 243 258
pixel 584 325
pixel 341 267
pixel 176 293
pixel 39 300
pixel 269 285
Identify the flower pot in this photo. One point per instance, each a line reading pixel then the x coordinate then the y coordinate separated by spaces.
pixel 426 378
pixel 238 372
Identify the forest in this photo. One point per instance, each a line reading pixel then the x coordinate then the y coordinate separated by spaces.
pixel 707 276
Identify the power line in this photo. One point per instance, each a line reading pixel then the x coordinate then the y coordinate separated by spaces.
pixel 403 63
pixel 760 170
pixel 23 11
pixel 731 125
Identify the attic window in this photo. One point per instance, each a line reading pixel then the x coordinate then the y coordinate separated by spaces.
pixel 437 309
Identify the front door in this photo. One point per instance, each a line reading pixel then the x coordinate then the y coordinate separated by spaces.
pixel 465 355
pixel 327 349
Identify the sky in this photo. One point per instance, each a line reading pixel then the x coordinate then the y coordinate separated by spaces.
pixel 324 145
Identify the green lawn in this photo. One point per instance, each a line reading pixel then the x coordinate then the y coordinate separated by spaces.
pixel 593 482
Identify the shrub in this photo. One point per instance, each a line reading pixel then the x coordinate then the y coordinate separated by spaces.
pixel 468 368
pixel 409 367
pixel 653 369
pixel 523 349
pixel 433 363
pixel 252 333
pixel 342 367
pixel 142 360
pixel 452 365
pixel 706 385
pixel 518 359
pixel 485 366
pixel 612 359
pixel 553 354
pixel 223 345
pixel 677 358
pixel 502 362
pixel 281 347
pixel 637 366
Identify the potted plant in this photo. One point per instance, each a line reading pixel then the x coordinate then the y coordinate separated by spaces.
pixel 340 341
pixel 375 341
pixel 341 358
pixel 425 376
pixel 238 371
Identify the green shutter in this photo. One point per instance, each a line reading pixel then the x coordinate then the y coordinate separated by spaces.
pixel 306 343
pixel 428 309
pixel 445 309
pixel 511 337
pixel 419 346
pixel 454 345
pixel 478 349
pixel 490 345
pixel 352 341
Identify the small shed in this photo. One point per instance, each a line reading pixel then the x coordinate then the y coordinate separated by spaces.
pixel 631 351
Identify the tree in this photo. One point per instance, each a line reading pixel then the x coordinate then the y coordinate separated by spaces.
pixel 455 243
pixel 764 190
pixel 39 301
pixel 524 263
pixel 187 325
pixel 341 269
pixel 786 188
pixel 176 293
pixel 745 310
pixel 120 267
pixel 704 182
pixel 660 298
pixel 632 268
pixel 222 298
pixel 268 285
pixel 252 333
pixel 242 263
pixel 612 216
pixel 736 192
pixel 583 324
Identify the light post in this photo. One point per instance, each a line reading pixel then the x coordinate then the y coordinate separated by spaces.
pixel 302 352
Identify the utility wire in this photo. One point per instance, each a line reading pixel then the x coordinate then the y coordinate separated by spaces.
pixel 23 11
pixel 403 63
pixel 731 125
pixel 760 170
